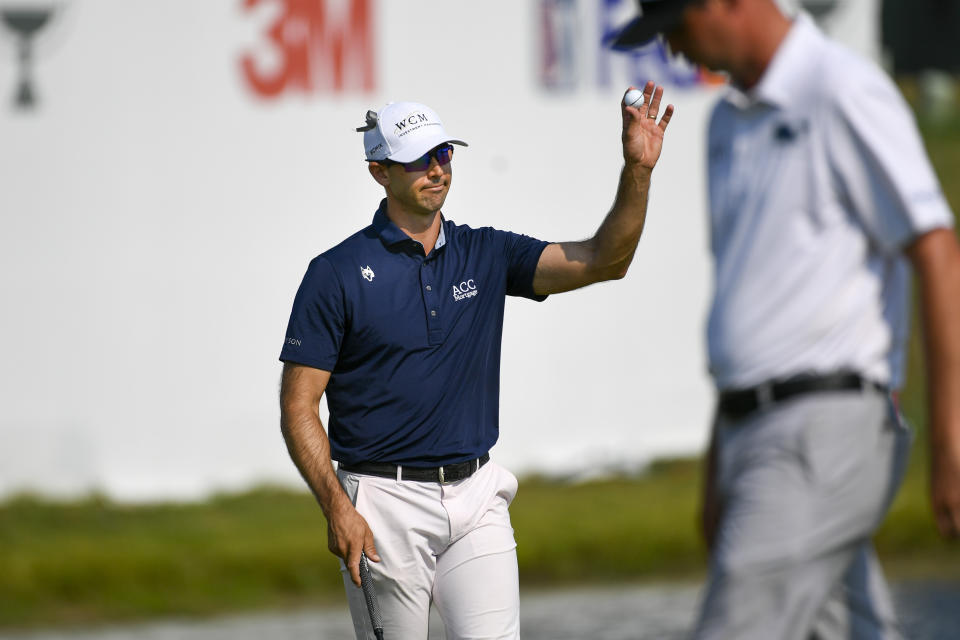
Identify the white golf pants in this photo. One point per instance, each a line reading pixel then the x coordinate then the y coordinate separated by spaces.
pixel 446 544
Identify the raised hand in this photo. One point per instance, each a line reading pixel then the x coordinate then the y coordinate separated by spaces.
pixel 642 132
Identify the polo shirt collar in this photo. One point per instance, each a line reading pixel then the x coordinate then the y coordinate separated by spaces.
pixel 780 81
pixel 442 237
pixel 390 234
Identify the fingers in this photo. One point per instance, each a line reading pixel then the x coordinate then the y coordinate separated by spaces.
pixel 642 135
pixel 653 107
pixel 347 537
pixel 665 120
pixel 352 562
pixel 353 558
pixel 632 113
pixel 649 91
pixel 369 548
pixel 652 98
pixel 628 113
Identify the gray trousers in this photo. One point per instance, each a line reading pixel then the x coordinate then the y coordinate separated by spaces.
pixel 802 486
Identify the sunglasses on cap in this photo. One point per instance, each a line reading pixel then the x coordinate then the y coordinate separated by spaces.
pixel 443 154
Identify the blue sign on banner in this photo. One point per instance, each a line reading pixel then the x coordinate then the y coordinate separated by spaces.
pixel 573 55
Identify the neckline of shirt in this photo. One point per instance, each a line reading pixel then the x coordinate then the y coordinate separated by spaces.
pixel 779 80
pixel 390 234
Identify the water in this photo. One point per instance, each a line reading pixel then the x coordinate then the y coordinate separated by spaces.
pixel 928 611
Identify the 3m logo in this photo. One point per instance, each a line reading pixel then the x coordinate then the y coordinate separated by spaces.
pixel 312 46
pixel 466 289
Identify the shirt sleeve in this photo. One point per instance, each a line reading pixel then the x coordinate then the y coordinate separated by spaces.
pixel 881 166
pixel 316 325
pixel 522 254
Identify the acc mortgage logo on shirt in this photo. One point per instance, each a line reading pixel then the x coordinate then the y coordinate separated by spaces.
pixel 466 289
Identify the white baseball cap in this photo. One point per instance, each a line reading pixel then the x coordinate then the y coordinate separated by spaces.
pixel 402 132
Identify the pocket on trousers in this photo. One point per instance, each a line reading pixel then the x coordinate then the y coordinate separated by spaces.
pixel 351 485
pixel 507 483
pixel 836 441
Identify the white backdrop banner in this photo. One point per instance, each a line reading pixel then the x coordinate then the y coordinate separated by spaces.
pixel 168 169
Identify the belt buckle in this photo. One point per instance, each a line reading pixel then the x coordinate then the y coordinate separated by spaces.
pixel 443 480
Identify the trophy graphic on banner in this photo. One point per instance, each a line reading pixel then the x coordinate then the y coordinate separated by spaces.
pixel 24 22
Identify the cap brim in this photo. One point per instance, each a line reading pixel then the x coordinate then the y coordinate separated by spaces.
pixel 413 152
pixel 657 18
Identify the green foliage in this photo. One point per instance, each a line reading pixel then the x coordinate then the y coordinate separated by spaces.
pixel 94 560
pixel 620 528
pixel 90 561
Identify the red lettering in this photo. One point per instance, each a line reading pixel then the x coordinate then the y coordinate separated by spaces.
pixel 322 46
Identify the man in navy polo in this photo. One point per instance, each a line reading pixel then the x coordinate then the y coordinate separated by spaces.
pixel 400 325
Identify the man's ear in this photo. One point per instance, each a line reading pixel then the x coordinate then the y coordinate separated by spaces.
pixel 379 173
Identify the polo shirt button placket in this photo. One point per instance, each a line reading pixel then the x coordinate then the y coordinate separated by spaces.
pixel 430 302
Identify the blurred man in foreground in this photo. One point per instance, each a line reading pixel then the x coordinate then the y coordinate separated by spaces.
pixel 400 325
pixel 821 196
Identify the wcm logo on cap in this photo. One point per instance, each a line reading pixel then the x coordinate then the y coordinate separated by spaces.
pixel 414 120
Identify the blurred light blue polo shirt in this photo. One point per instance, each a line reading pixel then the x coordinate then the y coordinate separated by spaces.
pixel 412 341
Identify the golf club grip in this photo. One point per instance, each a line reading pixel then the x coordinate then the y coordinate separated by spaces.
pixel 373 608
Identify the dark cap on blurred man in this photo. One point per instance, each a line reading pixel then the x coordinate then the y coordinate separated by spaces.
pixel 656 16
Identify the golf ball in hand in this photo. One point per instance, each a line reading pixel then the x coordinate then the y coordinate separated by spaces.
pixel 633 98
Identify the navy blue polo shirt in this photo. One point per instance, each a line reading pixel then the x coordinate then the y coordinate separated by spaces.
pixel 412 341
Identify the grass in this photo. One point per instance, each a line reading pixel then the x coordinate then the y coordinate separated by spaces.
pixel 94 561
pixel 618 529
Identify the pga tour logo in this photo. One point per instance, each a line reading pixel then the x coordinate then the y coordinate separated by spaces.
pixel 466 289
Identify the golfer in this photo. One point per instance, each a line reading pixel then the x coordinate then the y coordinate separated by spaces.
pixel 400 325
pixel 821 198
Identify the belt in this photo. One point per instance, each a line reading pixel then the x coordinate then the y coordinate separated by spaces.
pixel 739 403
pixel 444 475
